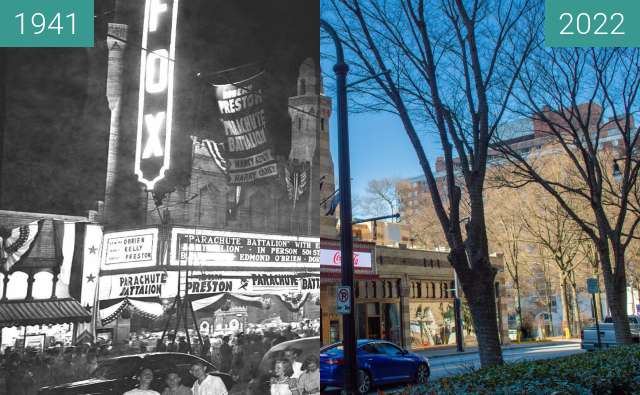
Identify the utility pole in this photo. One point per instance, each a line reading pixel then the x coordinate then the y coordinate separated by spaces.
pixel 346 238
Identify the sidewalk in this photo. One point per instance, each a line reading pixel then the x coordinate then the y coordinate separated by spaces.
pixel 450 350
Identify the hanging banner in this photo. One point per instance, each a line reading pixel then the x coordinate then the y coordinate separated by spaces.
pixel 155 100
pixel 200 247
pixel 130 249
pixel 165 284
pixel 90 264
pixel 247 145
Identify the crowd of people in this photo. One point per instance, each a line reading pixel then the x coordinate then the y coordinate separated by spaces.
pixel 238 355
pixel 25 371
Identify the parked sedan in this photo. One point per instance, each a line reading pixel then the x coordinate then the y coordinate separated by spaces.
pixel 118 375
pixel 379 362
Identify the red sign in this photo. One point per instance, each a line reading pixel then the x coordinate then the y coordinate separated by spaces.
pixel 332 258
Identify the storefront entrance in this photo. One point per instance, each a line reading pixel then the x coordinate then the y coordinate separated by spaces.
pixel 392 324
pixel 368 321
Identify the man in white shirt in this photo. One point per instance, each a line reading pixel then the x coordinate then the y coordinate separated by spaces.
pixel 292 354
pixel 205 383
pixel 145 378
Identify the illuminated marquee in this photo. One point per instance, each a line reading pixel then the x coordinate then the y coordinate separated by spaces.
pixel 211 248
pixel 155 105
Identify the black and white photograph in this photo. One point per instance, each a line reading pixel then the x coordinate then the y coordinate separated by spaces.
pixel 159 203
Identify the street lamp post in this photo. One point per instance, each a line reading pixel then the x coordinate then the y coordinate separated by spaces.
pixel 346 239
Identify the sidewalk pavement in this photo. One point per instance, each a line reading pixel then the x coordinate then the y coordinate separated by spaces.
pixel 450 350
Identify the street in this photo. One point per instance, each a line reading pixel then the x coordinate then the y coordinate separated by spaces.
pixel 452 364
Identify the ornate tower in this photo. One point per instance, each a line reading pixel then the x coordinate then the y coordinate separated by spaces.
pixel 114 96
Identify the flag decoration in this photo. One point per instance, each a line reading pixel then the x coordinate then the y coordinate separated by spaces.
pixel 66 241
pixel 216 154
pixel 333 204
pixel 296 180
pixel 16 243
pixel 87 259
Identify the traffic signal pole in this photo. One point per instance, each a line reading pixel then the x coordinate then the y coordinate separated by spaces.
pixel 346 239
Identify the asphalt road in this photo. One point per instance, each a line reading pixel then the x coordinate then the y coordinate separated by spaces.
pixel 450 365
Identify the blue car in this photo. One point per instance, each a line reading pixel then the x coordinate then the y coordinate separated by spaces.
pixel 379 362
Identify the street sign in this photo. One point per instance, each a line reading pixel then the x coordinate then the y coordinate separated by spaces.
pixel 592 286
pixel 343 300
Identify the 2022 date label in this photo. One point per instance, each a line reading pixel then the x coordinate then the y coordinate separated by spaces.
pixel 592 23
pixel 46 23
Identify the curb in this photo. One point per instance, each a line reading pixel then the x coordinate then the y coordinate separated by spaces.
pixel 509 347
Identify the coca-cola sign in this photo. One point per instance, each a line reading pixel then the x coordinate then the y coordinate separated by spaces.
pixel 332 258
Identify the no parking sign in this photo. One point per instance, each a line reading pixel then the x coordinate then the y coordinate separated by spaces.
pixel 343 300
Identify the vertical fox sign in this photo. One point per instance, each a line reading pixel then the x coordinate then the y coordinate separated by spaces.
pixel 155 105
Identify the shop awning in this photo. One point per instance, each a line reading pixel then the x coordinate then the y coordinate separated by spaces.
pixel 42 312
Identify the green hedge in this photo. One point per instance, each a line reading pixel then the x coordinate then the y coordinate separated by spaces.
pixel 612 371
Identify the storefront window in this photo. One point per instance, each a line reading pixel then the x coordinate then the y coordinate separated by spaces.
pixel 42 285
pixel 334 331
pixel 17 287
pixel 432 323
pixel 392 323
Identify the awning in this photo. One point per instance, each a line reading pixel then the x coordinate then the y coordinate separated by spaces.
pixel 42 312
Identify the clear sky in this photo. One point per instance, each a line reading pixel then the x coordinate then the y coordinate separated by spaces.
pixel 379 148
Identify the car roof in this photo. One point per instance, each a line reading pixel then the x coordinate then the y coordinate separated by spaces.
pixel 293 343
pixel 150 354
pixel 359 342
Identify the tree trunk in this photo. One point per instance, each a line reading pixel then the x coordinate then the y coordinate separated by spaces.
pixel 565 307
pixel 482 303
pixel 520 322
pixel 616 289
pixel 577 318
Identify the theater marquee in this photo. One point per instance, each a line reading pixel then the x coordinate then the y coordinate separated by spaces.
pixel 243 250
pixel 164 284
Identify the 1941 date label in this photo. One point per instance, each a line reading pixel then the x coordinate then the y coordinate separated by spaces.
pixel 46 23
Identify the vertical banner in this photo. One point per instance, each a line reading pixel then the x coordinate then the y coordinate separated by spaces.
pixel 155 102
pixel 247 142
pixel 91 254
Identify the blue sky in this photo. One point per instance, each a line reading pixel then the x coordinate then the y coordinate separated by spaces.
pixel 379 148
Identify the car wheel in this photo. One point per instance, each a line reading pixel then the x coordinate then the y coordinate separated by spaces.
pixel 364 382
pixel 422 374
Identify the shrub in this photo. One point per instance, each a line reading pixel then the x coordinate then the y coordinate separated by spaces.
pixel 611 371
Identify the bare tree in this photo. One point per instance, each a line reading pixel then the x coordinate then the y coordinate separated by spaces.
pixel 559 238
pixel 381 198
pixel 446 66
pixel 583 100
pixel 507 234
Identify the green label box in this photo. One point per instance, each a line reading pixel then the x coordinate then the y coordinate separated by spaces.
pixel 46 23
pixel 592 23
